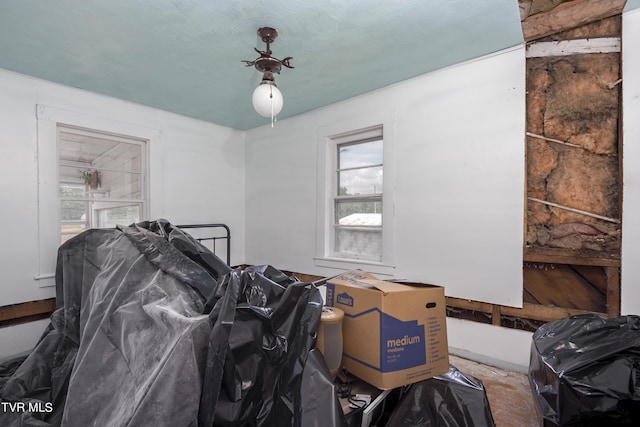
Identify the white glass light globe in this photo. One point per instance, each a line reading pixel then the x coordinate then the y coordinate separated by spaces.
pixel 267 100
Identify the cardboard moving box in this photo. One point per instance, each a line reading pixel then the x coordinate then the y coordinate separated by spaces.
pixel 393 334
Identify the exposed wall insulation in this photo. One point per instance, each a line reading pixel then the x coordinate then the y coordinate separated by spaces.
pixel 573 189
pixel 573 186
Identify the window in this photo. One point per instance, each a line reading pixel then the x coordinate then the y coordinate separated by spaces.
pixel 69 143
pixel 355 222
pixel 357 199
pixel 100 180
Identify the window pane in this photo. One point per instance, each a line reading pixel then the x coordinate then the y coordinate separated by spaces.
pixel 72 190
pixel 359 213
pixel 122 185
pixel 360 181
pixel 109 217
pixel 89 150
pixel 359 243
pixel 70 230
pixel 357 193
pixel 362 154
pixel 73 211
pixel 112 184
pixel 124 157
pixel 101 179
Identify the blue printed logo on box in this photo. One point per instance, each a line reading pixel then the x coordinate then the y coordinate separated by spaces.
pixel 402 344
pixel 331 291
pixel 333 299
pixel 345 299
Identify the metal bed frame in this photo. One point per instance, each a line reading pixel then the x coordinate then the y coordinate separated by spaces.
pixel 214 238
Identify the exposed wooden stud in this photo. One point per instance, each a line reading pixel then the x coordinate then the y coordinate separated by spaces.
pixel 27 309
pixel 484 307
pixel 495 315
pixel 613 291
pixel 531 7
pixel 562 256
pixel 573 47
pixel 543 313
pixel 578 211
pixel 308 278
pixel 528 311
pixel 569 15
pixel 559 285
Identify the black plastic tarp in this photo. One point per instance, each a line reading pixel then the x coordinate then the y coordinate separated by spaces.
pixel 584 371
pixel 453 399
pixel 152 329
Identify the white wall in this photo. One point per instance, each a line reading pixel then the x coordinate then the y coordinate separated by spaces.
pixel 494 345
pixel 196 176
pixel 20 338
pixel 459 179
pixel 630 156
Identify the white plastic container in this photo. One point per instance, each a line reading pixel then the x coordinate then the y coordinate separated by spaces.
pixel 330 338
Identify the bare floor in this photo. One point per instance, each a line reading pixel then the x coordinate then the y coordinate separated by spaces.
pixel 509 393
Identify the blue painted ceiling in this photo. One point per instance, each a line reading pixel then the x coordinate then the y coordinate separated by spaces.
pixel 184 56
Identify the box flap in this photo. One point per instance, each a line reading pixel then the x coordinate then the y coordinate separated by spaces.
pixel 364 279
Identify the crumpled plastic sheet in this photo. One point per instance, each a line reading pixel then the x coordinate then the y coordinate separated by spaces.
pixel 584 371
pixel 319 392
pixel 152 329
pixel 453 399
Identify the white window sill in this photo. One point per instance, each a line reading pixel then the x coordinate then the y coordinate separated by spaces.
pixel 46 280
pixel 344 264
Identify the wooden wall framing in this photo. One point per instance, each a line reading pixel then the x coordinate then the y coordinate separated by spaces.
pixel 542 18
pixel 573 158
pixel 25 312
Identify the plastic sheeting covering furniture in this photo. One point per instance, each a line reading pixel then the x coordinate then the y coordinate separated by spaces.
pixel 152 329
pixel 585 371
pixel 452 399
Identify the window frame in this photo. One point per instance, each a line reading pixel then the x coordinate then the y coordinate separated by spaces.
pixel 86 223
pixel 352 139
pixel 94 211
pixel 328 139
pixel 48 227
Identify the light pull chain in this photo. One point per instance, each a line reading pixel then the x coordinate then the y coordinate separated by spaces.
pixel 271 98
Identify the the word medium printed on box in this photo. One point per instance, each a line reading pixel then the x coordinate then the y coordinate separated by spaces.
pixel 393 334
